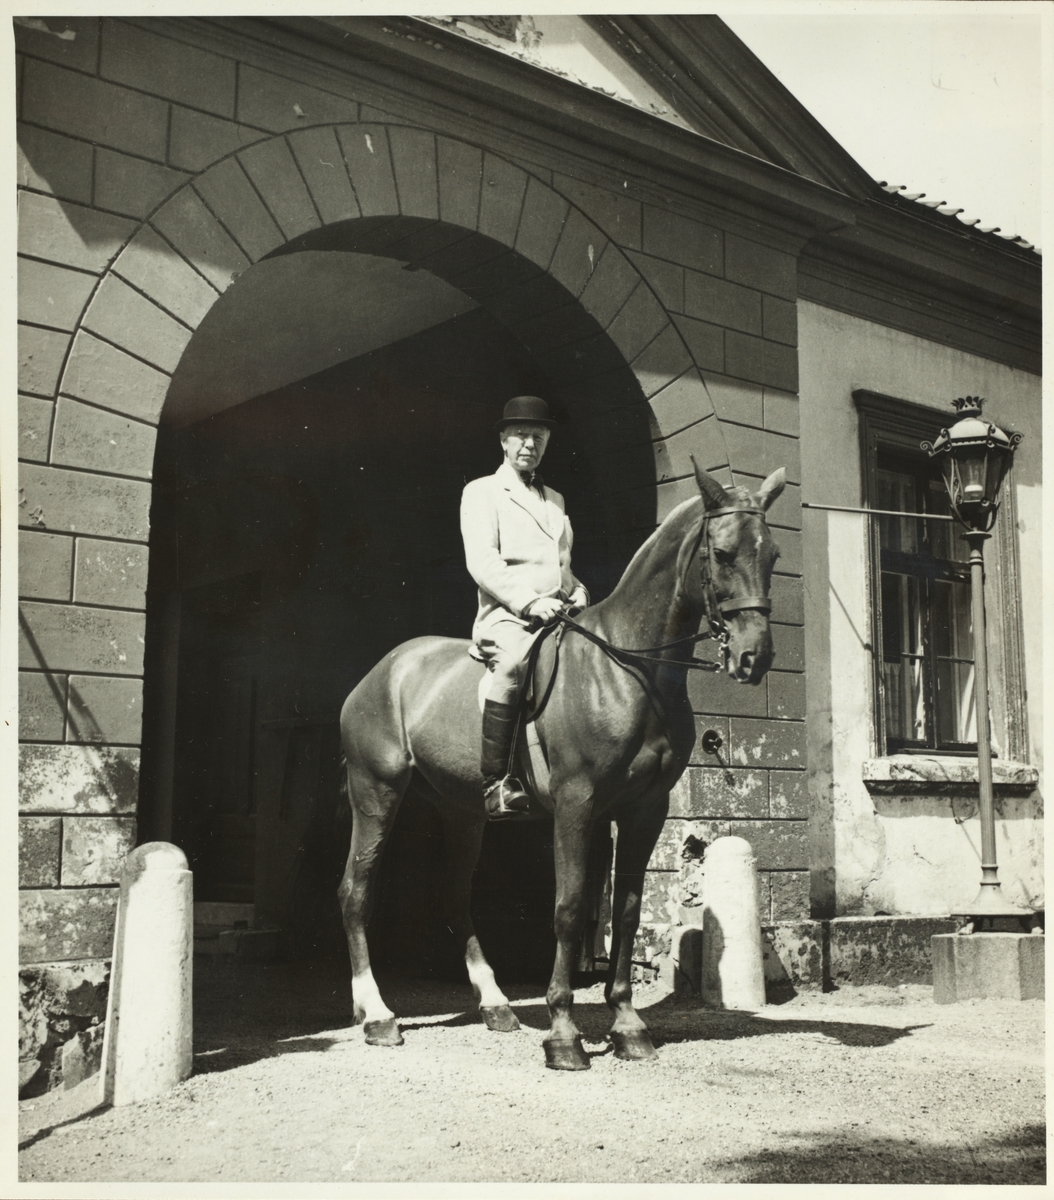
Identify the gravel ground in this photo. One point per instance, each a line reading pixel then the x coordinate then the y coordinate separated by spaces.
pixel 861 1085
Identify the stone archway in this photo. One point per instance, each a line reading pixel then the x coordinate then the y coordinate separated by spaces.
pixel 295 190
pixel 539 265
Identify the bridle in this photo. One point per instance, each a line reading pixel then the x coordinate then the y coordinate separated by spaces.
pixel 716 610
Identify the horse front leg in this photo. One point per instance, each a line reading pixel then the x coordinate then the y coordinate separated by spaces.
pixel 462 838
pixel 638 831
pixel 374 805
pixel 563 1043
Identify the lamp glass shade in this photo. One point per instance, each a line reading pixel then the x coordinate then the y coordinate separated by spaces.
pixel 970 468
pixel 974 456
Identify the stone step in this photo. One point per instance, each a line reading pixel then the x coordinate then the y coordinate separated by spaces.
pixel 245 943
pixel 224 914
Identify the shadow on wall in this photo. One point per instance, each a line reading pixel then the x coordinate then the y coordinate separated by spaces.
pixel 592 391
pixel 711 950
pixel 114 775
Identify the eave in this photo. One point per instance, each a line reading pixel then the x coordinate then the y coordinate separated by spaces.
pixel 943 283
pixel 707 73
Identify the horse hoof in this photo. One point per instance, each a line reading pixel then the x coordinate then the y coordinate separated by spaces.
pixel 499 1017
pixel 383 1033
pixel 633 1045
pixel 566 1055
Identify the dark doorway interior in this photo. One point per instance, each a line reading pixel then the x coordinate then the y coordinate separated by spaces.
pixel 304 533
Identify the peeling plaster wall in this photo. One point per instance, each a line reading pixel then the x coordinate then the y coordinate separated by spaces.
pixel 914 851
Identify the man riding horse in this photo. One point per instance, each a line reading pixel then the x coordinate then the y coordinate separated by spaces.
pixel 518 550
pixel 617 729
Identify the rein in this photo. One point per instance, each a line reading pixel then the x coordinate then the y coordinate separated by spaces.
pixel 715 611
pixel 648 653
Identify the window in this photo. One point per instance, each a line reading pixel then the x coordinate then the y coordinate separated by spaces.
pixel 926 663
pixel 922 635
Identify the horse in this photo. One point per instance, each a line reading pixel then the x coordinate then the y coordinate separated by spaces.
pixel 616 728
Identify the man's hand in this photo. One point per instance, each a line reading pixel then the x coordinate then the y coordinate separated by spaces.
pixel 544 608
pixel 578 600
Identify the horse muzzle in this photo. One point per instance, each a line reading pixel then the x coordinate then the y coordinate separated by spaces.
pixel 748 657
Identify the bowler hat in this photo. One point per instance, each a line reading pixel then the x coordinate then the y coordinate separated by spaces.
pixel 526 408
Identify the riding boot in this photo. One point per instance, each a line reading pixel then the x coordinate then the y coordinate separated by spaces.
pixel 502 793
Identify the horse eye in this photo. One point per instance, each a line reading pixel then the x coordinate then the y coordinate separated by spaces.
pixel 724 557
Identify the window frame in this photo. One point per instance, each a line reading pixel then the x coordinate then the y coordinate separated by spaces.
pixel 901 425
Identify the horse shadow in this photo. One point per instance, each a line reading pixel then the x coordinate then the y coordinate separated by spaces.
pixel 673 1020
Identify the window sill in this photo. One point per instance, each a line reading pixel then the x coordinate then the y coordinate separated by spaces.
pixel 939 774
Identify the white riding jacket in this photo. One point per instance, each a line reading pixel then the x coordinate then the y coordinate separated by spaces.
pixel 517 547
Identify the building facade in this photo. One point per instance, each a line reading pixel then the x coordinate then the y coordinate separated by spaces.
pixel 276 276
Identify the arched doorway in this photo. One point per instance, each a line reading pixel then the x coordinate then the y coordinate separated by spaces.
pixel 299 531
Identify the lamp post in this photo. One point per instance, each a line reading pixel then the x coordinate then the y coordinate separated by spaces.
pixel 974 456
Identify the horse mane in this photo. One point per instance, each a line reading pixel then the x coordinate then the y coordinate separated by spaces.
pixel 674 522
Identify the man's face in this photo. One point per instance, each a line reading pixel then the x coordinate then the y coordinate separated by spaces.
pixel 524 444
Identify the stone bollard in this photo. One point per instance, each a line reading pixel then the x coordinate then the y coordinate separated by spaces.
pixel 732 971
pixel 148 1045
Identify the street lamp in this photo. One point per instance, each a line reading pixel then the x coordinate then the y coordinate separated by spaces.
pixel 974 456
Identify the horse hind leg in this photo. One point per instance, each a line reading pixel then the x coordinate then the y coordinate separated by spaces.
pixel 374 802
pixel 638 831
pixel 463 836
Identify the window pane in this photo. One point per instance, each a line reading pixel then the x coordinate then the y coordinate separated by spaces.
pixel 956 713
pixel 896 491
pixel 945 537
pixel 901 615
pixel 905 709
pixel 902 665
pixel 927 641
pixel 952 631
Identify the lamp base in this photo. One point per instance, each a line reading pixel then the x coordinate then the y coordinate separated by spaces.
pixel 994 966
pixel 990 902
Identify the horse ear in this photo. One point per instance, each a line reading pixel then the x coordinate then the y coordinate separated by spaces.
pixel 770 490
pixel 714 495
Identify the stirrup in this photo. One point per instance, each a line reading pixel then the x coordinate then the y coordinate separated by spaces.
pixel 506 798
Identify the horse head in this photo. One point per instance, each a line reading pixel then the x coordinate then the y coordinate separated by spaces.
pixel 729 575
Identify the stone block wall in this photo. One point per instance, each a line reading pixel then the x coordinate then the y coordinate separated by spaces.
pixel 160 159
pixel 732 300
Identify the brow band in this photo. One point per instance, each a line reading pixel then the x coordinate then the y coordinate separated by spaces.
pixel 724 512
